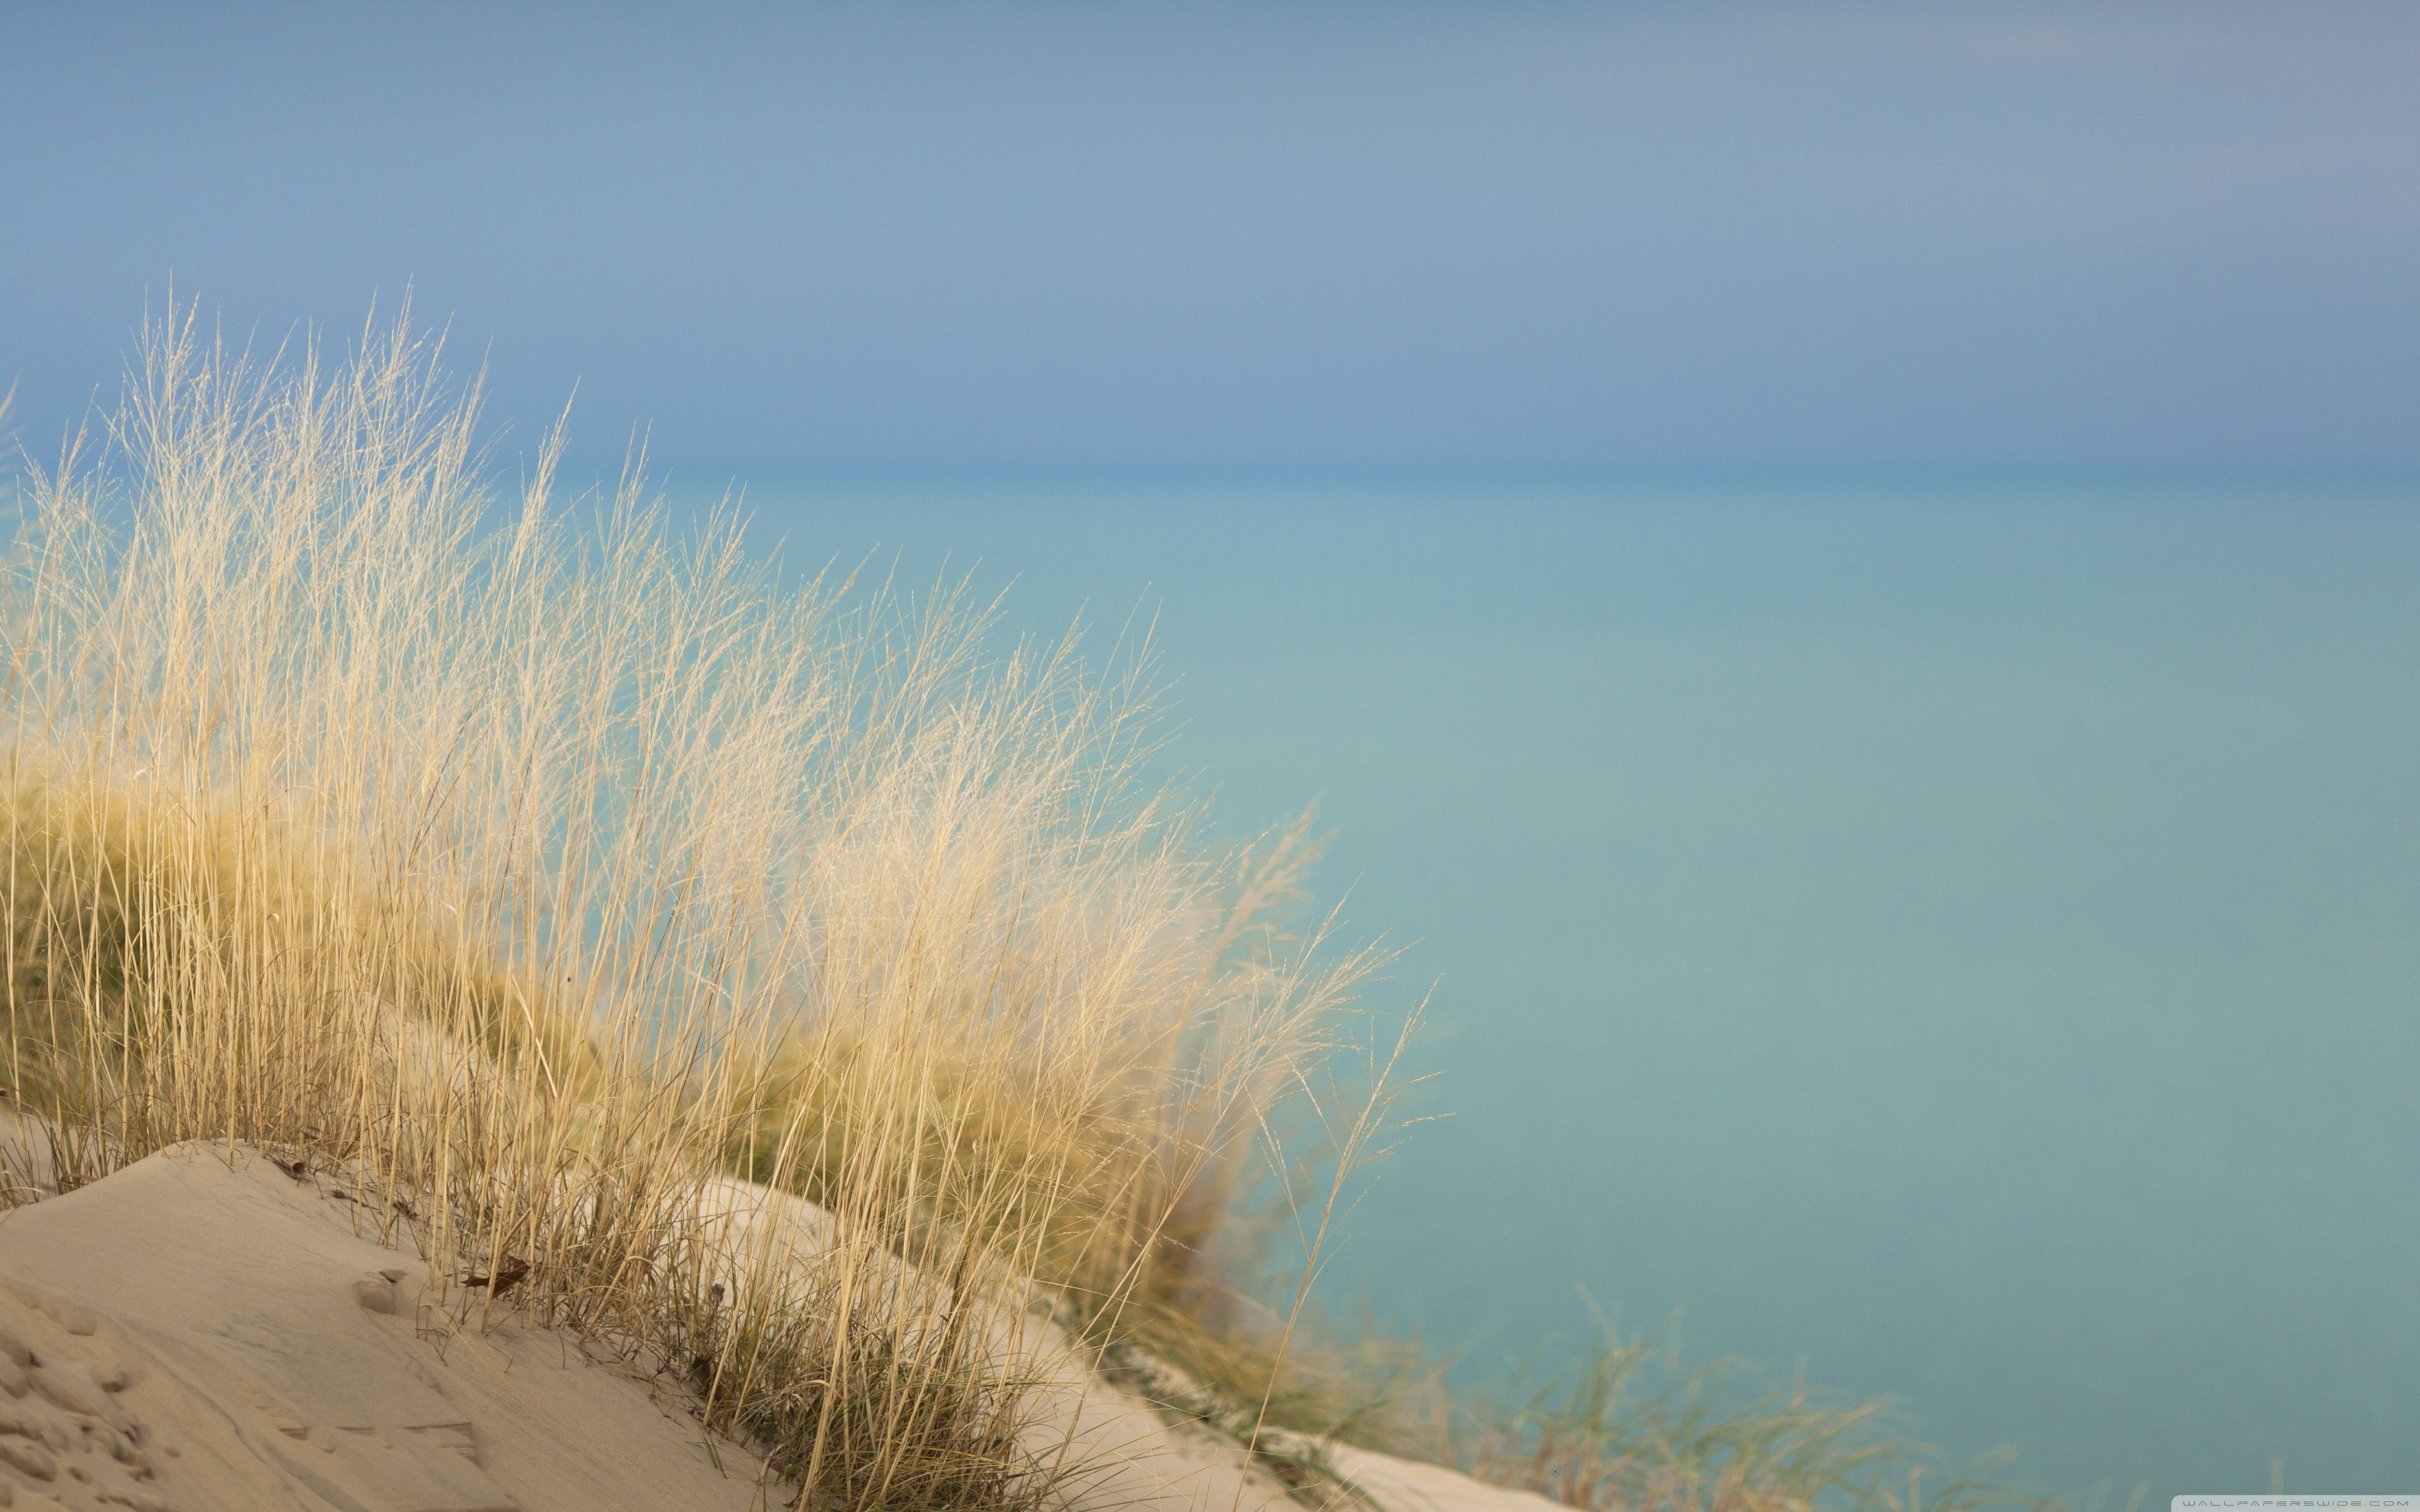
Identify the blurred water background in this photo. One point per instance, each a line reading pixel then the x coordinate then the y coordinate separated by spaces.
pixel 1965 941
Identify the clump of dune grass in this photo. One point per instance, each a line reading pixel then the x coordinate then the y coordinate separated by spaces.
pixel 547 869
pixel 1627 1427
pixel 1623 1427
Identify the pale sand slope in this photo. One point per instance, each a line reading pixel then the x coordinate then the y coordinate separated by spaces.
pixel 210 1335
pixel 1116 1451
pixel 205 1332
pixel 1409 1486
pixel 1109 1449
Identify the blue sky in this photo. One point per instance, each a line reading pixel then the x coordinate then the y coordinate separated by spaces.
pixel 1963 238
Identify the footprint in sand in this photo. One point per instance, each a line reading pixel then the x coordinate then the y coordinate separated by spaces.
pixel 65 1438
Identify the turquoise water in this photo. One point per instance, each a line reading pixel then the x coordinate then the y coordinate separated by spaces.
pixel 1967 943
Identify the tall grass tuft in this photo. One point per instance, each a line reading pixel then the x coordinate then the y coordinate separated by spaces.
pixel 551 871
pixel 1623 1425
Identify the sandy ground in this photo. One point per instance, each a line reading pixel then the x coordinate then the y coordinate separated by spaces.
pixel 204 1331
pixel 196 1332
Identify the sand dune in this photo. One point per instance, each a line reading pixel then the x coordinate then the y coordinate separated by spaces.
pixel 204 1330
pixel 210 1334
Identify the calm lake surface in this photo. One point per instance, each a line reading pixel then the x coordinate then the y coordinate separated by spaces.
pixel 1968 943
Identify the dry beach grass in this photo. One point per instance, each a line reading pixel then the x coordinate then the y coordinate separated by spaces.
pixel 537 867
pixel 571 890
